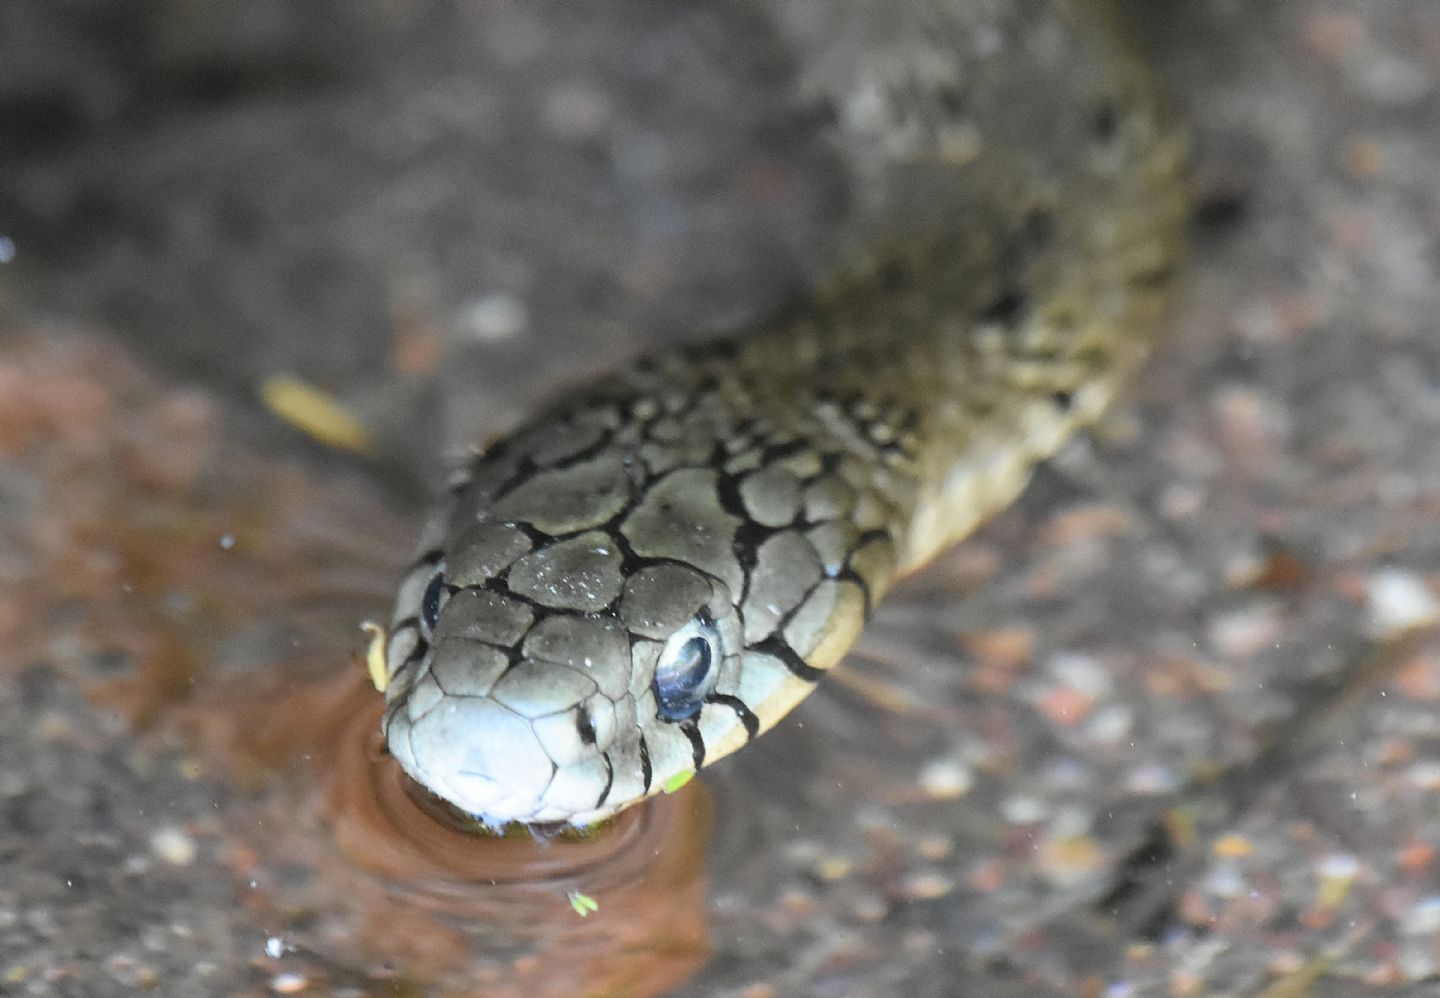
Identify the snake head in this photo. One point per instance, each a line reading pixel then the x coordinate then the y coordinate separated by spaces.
pixel 526 713
pixel 546 674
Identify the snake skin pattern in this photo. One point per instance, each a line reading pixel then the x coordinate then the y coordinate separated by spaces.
pixel 653 571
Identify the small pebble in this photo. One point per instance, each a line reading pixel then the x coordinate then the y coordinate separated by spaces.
pixel 54 727
pixel 173 846
pixel 869 908
pixel 1024 810
pixel 1393 80
pixel 1416 856
pixel 1193 908
pixel 1226 881
pixel 926 885
pixel 1185 982
pixel 1154 779
pixel 13 784
pixel 288 984
pixel 1004 647
pixel 1426 775
pixel 934 847
pixel 1081 672
pixel 1423 919
pixel 945 779
pixel 1065 706
pixel 1232 846
pixel 1362 157
pixel 1333 34
pixel 1399 600
pixel 1243 633
pixel 919 941
pixel 1416 964
pixel 1337 873
pixel 798 903
pixel 1110 724
pixel 494 317
pixel 1070 858
pixel 577 111
pixel 987 876
pixel 1179 502
pixel 1339 866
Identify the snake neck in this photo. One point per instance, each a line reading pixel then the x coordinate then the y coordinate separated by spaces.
pixel 931 380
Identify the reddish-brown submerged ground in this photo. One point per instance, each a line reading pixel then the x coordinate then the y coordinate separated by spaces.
pixel 159 541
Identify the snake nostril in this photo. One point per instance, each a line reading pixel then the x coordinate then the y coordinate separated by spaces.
pixel 584 726
pixel 430 602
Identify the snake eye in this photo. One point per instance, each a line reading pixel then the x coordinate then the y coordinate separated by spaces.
pixel 433 597
pixel 687 670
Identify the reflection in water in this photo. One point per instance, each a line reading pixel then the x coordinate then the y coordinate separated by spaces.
pixel 198 587
pixel 353 866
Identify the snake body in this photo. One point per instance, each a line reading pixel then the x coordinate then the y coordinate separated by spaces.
pixel 653 571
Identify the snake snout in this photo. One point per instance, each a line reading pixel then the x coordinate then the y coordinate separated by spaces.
pixel 477 754
pixel 534 758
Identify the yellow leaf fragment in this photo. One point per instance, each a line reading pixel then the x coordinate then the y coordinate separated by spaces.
pixel 1232 846
pixel 375 654
pixel 315 413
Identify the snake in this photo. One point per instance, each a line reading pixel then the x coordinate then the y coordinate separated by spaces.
pixel 655 568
